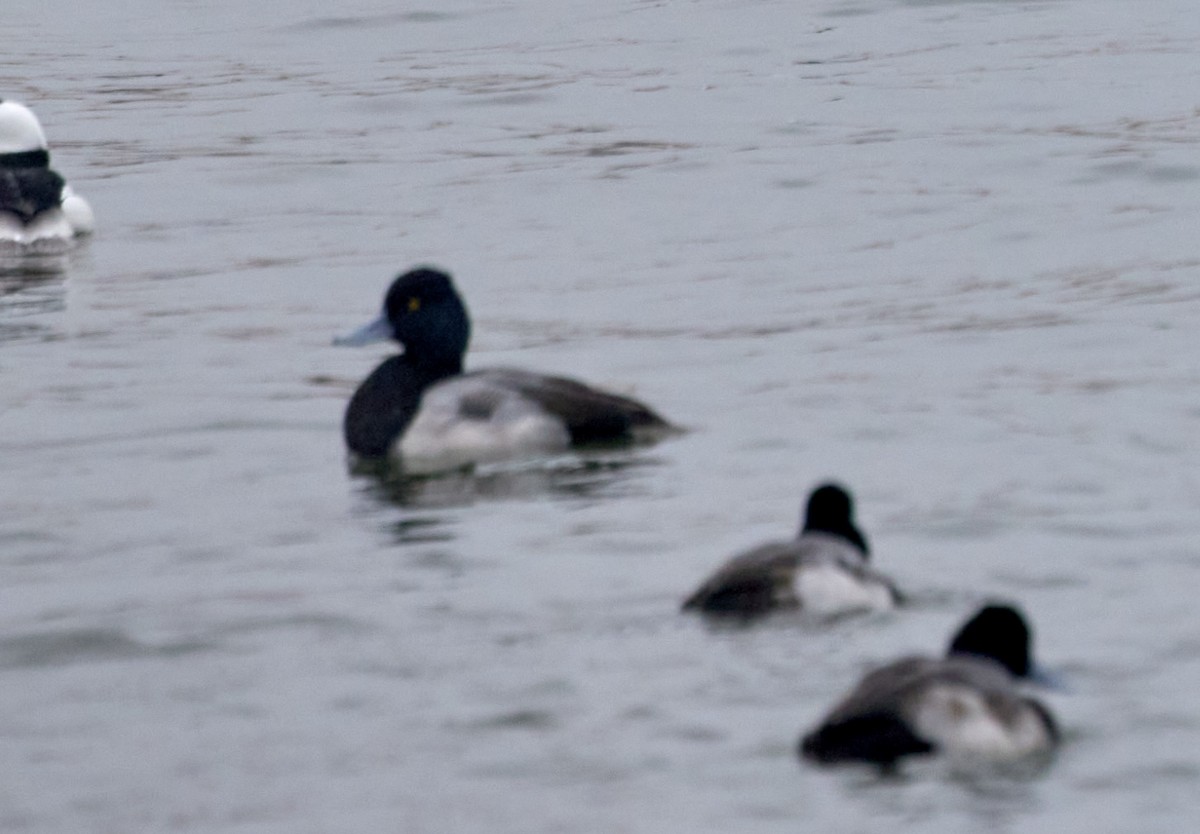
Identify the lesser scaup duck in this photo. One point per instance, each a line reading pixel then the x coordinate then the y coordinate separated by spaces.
pixel 421 409
pixel 38 210
pixel 967 704
pixel 823 570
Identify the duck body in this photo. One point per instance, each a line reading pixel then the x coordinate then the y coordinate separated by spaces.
pixel 823 571
pixel 38 211
pixel 423 411
pixel 817 572
pixel 968 704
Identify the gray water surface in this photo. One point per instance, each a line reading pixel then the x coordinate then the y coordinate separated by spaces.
pixel 942 251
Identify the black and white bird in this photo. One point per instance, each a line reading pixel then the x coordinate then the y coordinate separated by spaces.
pixel 824 570
pixel 38 211
pixel 968 704
pixel 421 410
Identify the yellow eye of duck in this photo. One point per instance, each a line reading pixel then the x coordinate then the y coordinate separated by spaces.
pixel 414 304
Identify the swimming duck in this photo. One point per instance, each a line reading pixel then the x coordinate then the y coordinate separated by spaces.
pixel 422 409
pixel 967 704
pixel 823 570
pixel 38 210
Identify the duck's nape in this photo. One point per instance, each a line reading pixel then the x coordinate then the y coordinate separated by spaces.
pixel 998 632
pixel 830 509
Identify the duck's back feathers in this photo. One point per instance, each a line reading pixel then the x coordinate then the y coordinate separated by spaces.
pixel 751 583
pixel 961 705
pixel 449 421
pixel 589 414
pixel 871 723
pixel 817 572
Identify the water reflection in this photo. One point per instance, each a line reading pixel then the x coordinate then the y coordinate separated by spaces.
pixel 29 286
pixel 82 645
pixel 324 24
pixel 990 794
pixel 570 477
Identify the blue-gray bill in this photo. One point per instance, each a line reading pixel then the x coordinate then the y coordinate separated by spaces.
pixel 375 331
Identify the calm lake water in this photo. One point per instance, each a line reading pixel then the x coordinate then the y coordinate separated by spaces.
pixel 945 252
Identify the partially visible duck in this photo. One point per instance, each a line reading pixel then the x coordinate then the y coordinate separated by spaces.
pixel 38 210
pixel 823 570
pixel 966 704
pixel 422 410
